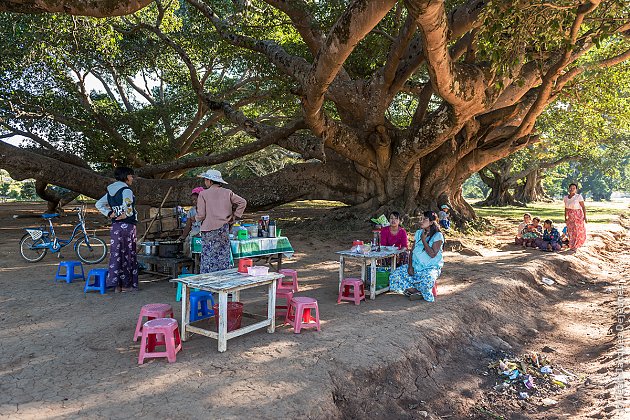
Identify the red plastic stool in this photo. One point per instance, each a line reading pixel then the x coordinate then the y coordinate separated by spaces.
pixel 434 290
pixel 358 291
pixel 288 286
pixel 166 327
pixel 296 316
pixel 283 294
pixel 152 311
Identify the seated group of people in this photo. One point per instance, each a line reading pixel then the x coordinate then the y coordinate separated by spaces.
pixel 530 233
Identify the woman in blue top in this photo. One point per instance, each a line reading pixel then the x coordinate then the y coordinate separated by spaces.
pixel 417 279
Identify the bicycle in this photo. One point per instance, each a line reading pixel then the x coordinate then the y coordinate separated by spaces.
pixel 36 243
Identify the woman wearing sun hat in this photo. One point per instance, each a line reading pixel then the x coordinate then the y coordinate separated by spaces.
pixel 217 208
pixel 193 227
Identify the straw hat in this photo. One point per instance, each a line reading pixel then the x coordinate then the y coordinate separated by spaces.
pixel 213 175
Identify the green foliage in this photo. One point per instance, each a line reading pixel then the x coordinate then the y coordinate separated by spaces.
pixel 16 190
pixel 475 188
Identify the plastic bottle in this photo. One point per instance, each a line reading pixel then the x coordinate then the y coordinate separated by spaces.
pixel 235 228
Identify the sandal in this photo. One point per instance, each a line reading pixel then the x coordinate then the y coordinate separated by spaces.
pixel 410 291
pixel 416 296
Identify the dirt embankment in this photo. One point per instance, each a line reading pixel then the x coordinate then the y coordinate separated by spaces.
pixel 505 309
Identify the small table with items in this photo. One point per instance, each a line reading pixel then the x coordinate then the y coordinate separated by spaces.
pixel 224 282
pixel 370 258
pixel 271 248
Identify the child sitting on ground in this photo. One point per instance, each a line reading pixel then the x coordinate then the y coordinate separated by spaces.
pixel 443 216
pixel 550 240
pixel 532 232
pixel 527 219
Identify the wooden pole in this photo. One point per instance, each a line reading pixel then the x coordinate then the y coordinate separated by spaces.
pixel 156 215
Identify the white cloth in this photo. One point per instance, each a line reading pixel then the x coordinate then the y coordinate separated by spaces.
pixel 442 215
pixel 573 202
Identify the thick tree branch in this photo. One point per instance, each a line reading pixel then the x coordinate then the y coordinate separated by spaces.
pixel 266 136
pixel 37 139
pixel 356 22
pixel 293 66
pixel 93 8
pixel 461 85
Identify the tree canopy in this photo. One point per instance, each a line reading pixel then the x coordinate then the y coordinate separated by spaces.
pixel 381 103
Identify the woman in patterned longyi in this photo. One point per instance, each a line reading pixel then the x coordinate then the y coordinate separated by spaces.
pixel 119 205
pixel 575 217
pixel 417 279
pixel 217 208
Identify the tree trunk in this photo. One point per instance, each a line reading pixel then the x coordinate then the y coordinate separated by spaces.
pixel 55 201
pixel 532 190
pixel 499 195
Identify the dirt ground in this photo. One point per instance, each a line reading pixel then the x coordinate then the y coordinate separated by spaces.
pixel 64 354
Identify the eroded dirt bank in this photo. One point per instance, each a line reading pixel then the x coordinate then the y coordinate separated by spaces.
pixel 67 355
pixel 500 307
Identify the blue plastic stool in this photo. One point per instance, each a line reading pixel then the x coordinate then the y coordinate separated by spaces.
pixel 199 305
pixel 100 276
pixel 69 274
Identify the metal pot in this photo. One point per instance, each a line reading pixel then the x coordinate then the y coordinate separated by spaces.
pixel 170 249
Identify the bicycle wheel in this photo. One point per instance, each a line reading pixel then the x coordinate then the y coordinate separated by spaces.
pixel 29 253
pixel 92 252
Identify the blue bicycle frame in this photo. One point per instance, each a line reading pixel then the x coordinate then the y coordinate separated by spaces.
pixel 49 238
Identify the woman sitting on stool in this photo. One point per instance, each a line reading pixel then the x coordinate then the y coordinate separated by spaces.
pixel 418 278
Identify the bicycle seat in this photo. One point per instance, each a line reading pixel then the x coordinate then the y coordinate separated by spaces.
pixel 50 215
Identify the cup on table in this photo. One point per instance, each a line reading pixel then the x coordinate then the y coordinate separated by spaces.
pixel 278 233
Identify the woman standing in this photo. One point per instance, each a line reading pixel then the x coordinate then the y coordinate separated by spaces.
pixel 575 217
pixel 417 279
pixel 119 205
pixel 217 208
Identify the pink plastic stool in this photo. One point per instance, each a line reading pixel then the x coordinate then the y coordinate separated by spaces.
pixel 165 327
pixel 358 291
pixel 288 286
pixel 434 290
pixel 152 311
pixel 298 318
pixel 283 294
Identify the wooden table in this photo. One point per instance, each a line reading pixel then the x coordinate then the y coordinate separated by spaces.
pixel 175 265
pixel 224 282
pixel 365 259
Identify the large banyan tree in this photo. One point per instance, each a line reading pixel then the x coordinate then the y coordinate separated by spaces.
pixel 385 103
